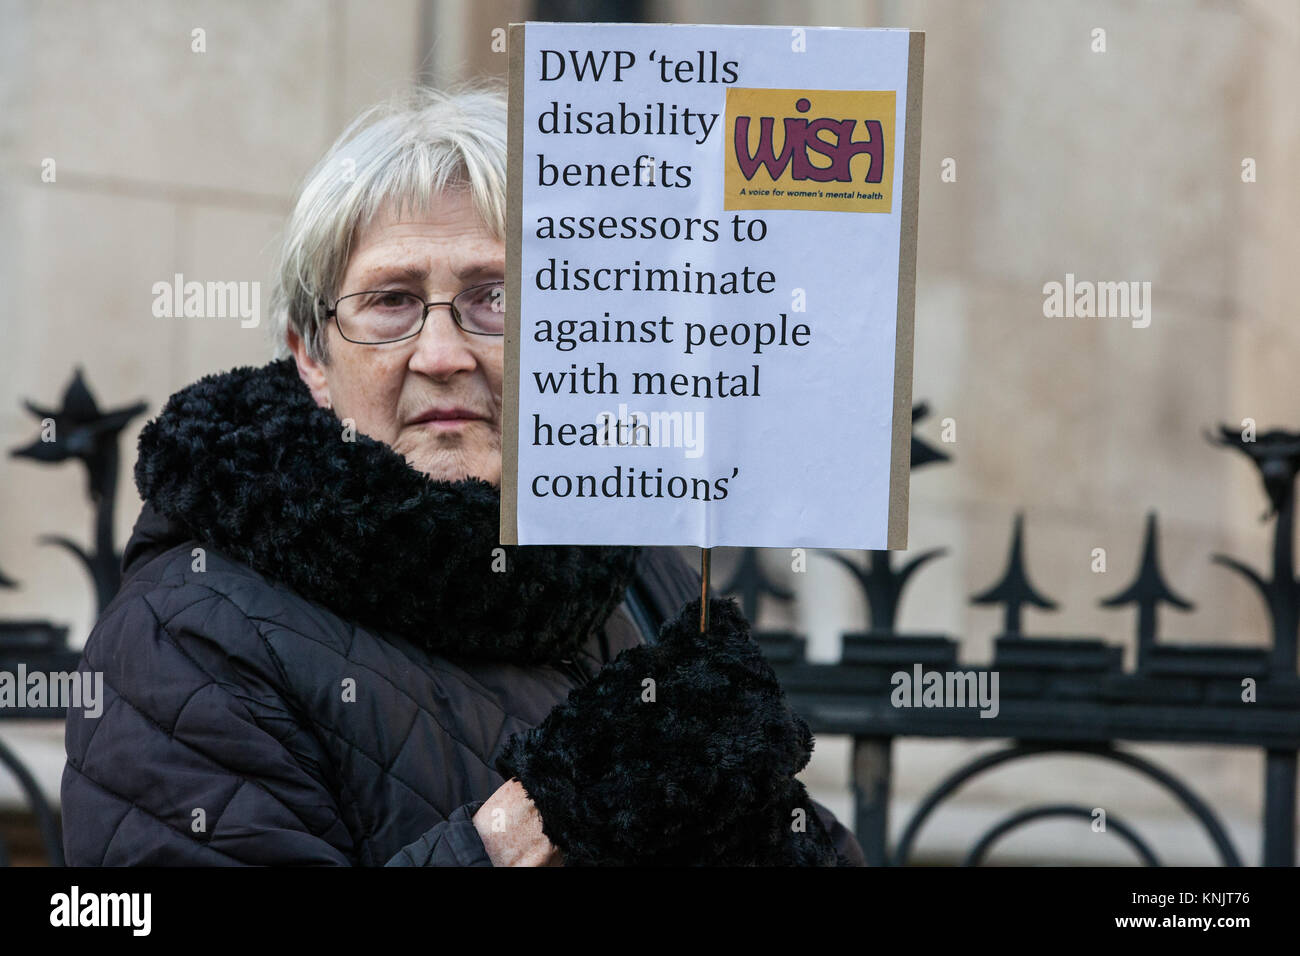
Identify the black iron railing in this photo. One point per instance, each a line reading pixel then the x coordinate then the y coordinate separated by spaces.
pixel 77 431
pixel 1055 694
pixel 1059 694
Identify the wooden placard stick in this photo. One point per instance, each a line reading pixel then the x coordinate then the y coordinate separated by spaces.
pixel 704 590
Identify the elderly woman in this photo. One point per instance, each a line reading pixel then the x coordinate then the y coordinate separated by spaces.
pixel 321 654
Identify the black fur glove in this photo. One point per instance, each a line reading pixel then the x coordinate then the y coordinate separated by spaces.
pixel 696 768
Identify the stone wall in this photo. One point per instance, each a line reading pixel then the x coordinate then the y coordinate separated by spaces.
pixel 1116 165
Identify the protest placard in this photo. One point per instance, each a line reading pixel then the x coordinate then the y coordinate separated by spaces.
pixel 710 285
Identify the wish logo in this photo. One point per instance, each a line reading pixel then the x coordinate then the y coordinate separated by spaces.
pixel 809 149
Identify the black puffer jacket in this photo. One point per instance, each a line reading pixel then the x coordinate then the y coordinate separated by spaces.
pixel 321 656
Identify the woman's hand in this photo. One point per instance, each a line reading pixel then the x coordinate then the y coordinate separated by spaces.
pixel 513 833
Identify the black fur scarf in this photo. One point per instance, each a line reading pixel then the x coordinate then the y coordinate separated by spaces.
pixel 249 465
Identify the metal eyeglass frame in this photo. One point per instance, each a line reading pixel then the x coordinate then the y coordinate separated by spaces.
pixel 333 313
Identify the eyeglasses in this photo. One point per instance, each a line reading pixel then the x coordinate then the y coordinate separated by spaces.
pixel 375 318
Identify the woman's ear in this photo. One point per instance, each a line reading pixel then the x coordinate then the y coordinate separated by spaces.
pixel 310 371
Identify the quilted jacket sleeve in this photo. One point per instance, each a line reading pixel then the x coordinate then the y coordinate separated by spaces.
pixel 453 843
pixel 196 758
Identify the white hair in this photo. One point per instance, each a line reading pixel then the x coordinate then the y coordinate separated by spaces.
pixel 406 151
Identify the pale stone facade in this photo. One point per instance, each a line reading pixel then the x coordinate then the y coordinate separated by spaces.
pixel 1116 165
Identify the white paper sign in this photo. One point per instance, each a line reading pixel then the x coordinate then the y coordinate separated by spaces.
pixel 710 289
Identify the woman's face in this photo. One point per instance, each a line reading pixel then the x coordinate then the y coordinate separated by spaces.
pixel 390 390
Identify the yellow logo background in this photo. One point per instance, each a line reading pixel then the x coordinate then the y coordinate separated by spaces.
pixel 837 107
